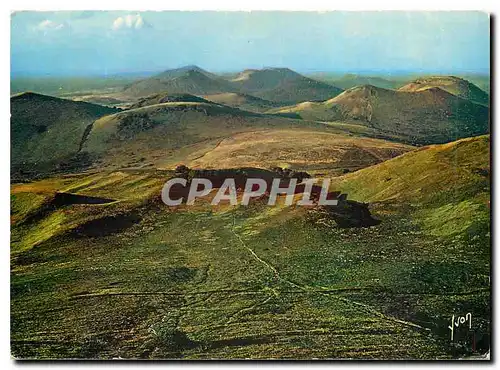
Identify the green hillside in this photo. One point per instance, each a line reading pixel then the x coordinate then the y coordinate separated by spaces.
pixel 453 180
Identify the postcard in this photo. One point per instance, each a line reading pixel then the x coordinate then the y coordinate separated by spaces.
pixel 215 185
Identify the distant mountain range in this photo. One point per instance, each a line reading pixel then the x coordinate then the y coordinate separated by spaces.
pixel 187 81
pixel 430 115
pixel 283 85
pixel 279 85
pixel 187 106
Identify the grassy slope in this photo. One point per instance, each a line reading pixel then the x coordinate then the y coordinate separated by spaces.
pixel 427 116
pixel 450 182
pixel 445 191
pixel 45 129
pixel 256 281
pixel 205 294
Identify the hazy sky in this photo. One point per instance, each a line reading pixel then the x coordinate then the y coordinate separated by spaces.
pixel 81 43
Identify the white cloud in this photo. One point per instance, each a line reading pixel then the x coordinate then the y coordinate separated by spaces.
pixel 139 23
pixel 118 23
pixel 48 25
pixel 129 21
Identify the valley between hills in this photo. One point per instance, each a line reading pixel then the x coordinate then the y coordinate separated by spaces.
pixel 102 269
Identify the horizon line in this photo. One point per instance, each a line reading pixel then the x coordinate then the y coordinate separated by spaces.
pixel 138 73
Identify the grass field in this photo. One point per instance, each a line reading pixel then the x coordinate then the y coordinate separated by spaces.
pixel 133 279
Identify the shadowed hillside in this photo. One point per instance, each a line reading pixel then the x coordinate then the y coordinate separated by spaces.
pixel 47 131
pixel 454 85
pixel 283 85
pixel 428 116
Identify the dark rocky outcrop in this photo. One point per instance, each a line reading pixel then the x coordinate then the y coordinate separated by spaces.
pixel 349 213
